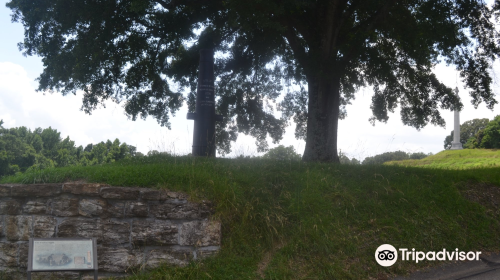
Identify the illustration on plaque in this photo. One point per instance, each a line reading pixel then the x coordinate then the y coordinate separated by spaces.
pixel 60 254
pixel 53 260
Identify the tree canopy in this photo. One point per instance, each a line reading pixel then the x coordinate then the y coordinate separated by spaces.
pixel 21 148
pixel 130 50
pixel 486 138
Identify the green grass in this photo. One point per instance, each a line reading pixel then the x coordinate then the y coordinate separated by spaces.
pixel 309 220
pixel 455 159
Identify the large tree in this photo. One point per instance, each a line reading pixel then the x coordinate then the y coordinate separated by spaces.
pixel 128 49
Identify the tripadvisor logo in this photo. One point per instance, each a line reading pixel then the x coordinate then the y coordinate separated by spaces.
pixel 386 255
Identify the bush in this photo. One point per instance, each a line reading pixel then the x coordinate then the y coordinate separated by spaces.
pixel 282 153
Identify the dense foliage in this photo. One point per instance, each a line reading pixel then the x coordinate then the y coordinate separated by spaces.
pixel 282 153
pixel 487 138
pixel 128 50
pixel 467 130
pixel 21 148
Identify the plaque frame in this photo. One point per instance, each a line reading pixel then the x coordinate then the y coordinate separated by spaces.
pixel 30 268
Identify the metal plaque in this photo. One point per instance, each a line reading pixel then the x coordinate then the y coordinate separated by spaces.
pixel 56 254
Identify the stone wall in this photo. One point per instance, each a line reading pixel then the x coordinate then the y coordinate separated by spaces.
pixel 134 227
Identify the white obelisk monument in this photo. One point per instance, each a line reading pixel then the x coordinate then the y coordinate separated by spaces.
pixel 456 144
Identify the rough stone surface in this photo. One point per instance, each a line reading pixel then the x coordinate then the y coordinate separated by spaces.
pixel 179 257
pixel 149 194
pixel 202 253
pixel 134 227
pixel 79 227
pixel 10 207
pixel 5 190
pixel 114 232
pixel 13 273
pixel 83 188
pixel 8 254
pixel 18 228
pixel 206 209
pixel 23 255
pixel 200 233
pixel 65 207
pixel 116 209
pixel 44 226
pixel 93 208
pixel 36 190
pixel 37 206
pixel 176 211
pixel 154 233
pixel 137 209
pixel 118 259
pixel 119 193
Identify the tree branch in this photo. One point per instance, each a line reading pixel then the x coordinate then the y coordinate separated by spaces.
pixel 297 49
pixel 367 26
pixel 332 15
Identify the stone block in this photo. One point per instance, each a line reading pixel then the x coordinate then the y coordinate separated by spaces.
pixel 136 209
pixel 10 207
pixel 149 194
pixel 44 226
pixel 159 255
pixel 79 227
pixel 23 255
pixel 206 209
pixel 65 206
pixel 36 190
pixel 118 259
pixel 5 190
pixel 93 208
pixel 18 228
pixel 8 254
pixel 120 193
pixel 83 188
pixel 37 206
pixel 200 233
pixel 176 211
pixel 205 253
pixel 116 209
pixel 115 232
pixel 154 233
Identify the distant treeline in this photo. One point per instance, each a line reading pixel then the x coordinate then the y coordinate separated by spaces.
pixel 288 153
pixel 21 148
pixel 397 155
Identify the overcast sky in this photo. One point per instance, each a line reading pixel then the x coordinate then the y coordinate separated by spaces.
pixel 21 105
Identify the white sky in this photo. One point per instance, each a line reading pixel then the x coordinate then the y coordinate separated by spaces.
pixel 21 105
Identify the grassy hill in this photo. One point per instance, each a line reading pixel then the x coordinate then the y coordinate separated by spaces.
pixel 455 159
pixel 295 220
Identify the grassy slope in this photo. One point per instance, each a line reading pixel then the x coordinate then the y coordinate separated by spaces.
pixel 309 221
pixel 456 159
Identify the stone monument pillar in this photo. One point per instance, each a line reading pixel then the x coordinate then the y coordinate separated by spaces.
pixel 456 144
pixel 204 117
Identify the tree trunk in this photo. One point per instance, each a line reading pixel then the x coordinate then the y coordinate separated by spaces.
pixel 322 119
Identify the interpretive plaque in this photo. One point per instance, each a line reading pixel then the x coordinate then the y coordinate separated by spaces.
pixel 62 254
